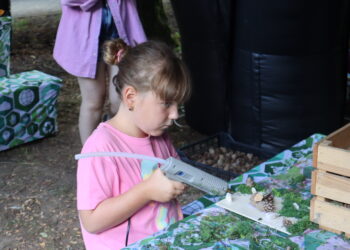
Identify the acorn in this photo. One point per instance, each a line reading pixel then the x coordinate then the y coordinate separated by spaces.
pixel 249 156
pixel 224 158
pixel 223 149
pixel 211 151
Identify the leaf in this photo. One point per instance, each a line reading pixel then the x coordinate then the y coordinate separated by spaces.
pixel 43 234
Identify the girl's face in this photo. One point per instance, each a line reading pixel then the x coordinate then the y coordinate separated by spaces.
pixel 152 115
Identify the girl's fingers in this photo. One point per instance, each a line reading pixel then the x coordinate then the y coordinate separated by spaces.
pixel 180 189
pixel 179 185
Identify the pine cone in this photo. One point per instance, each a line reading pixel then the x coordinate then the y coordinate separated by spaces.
pixel 269 197
pixel 268 206
pixel 286 222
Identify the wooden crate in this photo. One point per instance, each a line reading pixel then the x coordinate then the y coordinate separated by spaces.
pixel 330 208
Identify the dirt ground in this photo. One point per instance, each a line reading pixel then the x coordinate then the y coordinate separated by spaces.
pixel 37 180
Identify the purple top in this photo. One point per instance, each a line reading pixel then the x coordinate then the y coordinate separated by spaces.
pixel 77 39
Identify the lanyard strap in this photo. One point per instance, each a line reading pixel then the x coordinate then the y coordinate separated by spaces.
pixel 127 233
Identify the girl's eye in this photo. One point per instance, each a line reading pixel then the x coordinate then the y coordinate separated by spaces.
pixel 167 104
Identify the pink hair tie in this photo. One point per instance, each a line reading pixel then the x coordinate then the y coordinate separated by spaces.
pixel 119 55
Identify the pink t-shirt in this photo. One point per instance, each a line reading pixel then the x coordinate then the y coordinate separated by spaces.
pixel 99 178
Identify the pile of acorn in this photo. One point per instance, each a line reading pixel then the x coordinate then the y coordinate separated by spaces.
pixel 226 159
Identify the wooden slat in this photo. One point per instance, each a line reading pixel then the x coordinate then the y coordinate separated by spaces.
pixel 331 186
pixel 313 182
pixel 341 137
pixel 315 154
pixel 333 159
pixel 330 216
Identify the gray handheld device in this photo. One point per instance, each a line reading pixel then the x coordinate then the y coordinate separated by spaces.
pixel 176 170
pixel 180 171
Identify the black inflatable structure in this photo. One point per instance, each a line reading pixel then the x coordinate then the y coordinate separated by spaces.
pixel 280 72
pixel 288 70
pixel 205 27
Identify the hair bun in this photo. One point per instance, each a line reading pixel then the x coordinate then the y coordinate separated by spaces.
pixel 114 50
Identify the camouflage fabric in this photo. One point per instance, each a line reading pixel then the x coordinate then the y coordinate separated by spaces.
pixel 193 233
pixel 27 107
pixel 5 34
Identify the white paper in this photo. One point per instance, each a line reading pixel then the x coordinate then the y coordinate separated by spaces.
pixel 241 205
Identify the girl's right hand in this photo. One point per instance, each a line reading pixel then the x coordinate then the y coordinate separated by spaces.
pixel 161 188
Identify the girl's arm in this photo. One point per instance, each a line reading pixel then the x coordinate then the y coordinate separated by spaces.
pixel 116 210
pixel 84 5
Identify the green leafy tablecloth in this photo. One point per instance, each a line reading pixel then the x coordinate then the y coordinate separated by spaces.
pixel 212 227
pixel 5 35
pixel 27 107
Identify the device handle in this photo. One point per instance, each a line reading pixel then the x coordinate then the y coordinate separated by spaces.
pixel 180 171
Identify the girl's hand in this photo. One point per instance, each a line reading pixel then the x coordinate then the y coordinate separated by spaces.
pixel 161 188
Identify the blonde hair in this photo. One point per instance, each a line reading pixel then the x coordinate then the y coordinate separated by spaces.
pixel 149 66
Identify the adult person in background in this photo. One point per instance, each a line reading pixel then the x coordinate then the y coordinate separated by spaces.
pixel 84 26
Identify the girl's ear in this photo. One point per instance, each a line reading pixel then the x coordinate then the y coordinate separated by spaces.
pixel 129 96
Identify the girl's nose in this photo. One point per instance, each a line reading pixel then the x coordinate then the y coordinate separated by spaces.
pixel 173 113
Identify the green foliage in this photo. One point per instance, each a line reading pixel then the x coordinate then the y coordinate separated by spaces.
pixel 300 226
pixel 288 208
pixel 278 192
pixel 222 227
pixel 274 242
pixel 241 229
pixel 244 189
pixel 218 227
pixel 293 176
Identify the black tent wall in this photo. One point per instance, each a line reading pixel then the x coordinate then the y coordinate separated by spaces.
pixel 270 72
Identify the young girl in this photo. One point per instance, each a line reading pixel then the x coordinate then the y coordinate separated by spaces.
pixel 122 200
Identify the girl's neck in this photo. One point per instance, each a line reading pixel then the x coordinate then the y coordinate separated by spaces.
pixel 123 122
